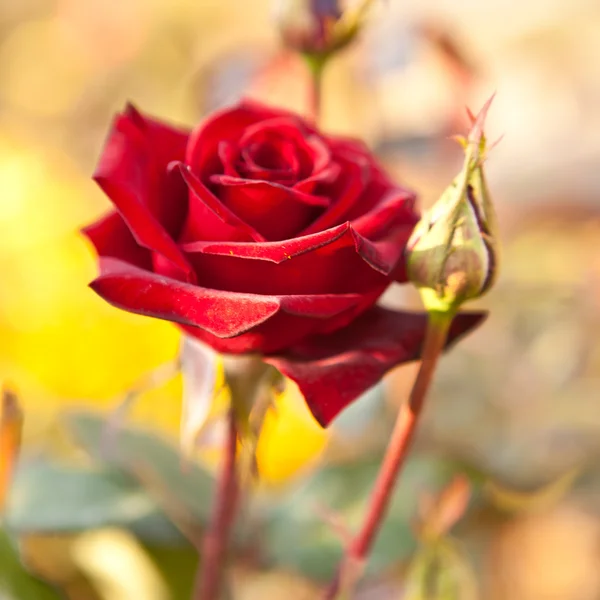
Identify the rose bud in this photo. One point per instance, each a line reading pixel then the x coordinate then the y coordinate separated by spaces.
pixel 318 28
pixel 452 255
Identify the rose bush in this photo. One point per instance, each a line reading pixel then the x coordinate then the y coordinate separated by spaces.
pixel 257 233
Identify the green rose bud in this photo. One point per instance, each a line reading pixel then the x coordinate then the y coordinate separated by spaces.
pixel 453 253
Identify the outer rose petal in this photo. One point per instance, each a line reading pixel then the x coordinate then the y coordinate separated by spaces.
pixel 393 219
pixel 333 370
pixel 285 329
pixel 217 313
pixel 133 173
pixel 111 237
pixel 338 260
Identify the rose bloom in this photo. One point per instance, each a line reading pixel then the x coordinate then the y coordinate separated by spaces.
pixel 256 233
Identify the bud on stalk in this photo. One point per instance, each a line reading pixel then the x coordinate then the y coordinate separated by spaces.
pixel 453 253
pixel 318 28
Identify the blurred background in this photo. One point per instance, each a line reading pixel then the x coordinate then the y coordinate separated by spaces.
pixel 515 409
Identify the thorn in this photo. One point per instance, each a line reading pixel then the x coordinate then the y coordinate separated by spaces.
pixel 438 514
pixel 494 144
pixel 335 521
pixel 476 133
pixel 470 116
pixel 459 139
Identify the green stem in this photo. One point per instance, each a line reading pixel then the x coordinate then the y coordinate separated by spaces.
pixel 395 457
pixel 316 67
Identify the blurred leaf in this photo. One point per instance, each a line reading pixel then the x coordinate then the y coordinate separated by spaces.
pixel 177 566
pixel 15 582
pixel 77 499
pixel 138 454
pixel 440 571
pixel 514 500
pixel 297 536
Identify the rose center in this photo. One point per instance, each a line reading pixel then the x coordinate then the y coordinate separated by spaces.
pixel 267 156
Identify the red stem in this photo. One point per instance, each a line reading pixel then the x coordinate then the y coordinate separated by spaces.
pixel 395 456
pixel 210 571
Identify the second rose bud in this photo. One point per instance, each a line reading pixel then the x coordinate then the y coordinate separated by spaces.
pixel 453 253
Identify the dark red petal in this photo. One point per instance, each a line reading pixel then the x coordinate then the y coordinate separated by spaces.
pixel 226 125
pixel 396 208
pixel 274 210
pixel 133 173
pixel 312 152
pixel 333 370
pixel 391 223
pixel 344 190
pixel 277 163
pixel 228 155
pixel 111 237
pixel 349 146
pixel 284 329
pixel 220 314
pixel 326 175
pixel 209 219
pixel 338 260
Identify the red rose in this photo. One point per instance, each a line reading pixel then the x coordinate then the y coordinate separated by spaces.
pixel 257 233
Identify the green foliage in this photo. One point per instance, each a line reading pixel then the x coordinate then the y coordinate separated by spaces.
pixel 15 582
pixel 298 536
pixel 440 571
pixel 140 484
pixel 143 456
pixel 78 499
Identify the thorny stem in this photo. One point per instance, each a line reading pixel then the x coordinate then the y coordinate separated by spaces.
pixel 214 547
pixel 358 549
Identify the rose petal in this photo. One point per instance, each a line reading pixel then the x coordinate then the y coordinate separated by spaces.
pixel 219 314
pixel 111 237
pixel 208 218
pixel 391 223
pixel 333 370
pixel 275 211
pixel 312 153
pixel 344 191
pixel 228 155
pixel 133 173
pixel 226 125
pixel 277 162
pixel 338 260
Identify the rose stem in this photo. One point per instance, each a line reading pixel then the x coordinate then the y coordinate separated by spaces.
pixel 394 459
pixel 316 66
pixel 210 570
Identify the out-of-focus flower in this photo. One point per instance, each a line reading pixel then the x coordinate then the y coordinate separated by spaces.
pixel 318 28
pixel 257 233
pixel 11 427
pixel 453 252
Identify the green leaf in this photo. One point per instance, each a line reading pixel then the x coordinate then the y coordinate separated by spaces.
pixel 15 582
pixel 78 499
pixel 298 536
pixel 138 453
pixel 177 566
